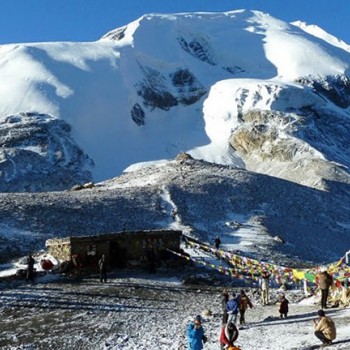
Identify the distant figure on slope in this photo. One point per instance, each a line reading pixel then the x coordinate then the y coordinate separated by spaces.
pixel 324 328
pixel 217 242
pixel 244 303
pixel 232 308
pixel 30 269
pixel 265 287
pixel 195 334
pixel 224 300
pixel 228 335
pixel 325 280
pixel 102 264
pixel 283 306
pixel 174 213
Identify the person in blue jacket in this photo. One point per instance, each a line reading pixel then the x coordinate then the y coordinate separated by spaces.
pixel 232 308
pixel 195 334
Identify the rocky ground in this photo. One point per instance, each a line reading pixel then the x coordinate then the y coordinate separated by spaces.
pixel 137 310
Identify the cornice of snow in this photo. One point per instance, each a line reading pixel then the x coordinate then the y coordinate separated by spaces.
pixel 322 34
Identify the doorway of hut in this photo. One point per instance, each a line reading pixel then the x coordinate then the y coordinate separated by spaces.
pixel 118 255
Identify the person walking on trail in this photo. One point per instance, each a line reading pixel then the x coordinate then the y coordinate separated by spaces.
pixel 102 264
pixel 325 280
pixel 228 335
pixel 265 286
pixel 232 308
pixel 283 306
pixel 30 268
pixel 217 242
pixel 244 303
pixel 224 300
pixel 324 328
pixel 195 334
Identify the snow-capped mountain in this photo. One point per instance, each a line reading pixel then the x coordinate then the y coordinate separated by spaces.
pixel 262 105
pixel 239 88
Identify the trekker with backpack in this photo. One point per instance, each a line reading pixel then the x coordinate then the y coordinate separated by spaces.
pixel 244 303
pixel 232 309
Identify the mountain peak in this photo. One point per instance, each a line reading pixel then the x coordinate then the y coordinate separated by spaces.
pixel 171 83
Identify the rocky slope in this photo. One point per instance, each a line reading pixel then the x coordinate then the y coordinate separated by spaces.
pixel 38 154
pixel 246 209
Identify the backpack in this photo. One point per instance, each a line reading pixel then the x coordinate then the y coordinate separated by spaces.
pixel 232 306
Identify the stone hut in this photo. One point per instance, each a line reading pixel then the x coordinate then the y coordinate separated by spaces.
pixel 121 249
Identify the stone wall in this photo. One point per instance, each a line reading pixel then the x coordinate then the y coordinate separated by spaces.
pixel 118 248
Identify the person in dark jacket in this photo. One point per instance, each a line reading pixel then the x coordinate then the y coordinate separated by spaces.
pixel 102 264
pixel 30 269
pixel 228 335
pixel 244 303
pixel 232 308
pixel 283 306
pixel 195 334
pixel 217 242
pixel 224 300
pixel 325 280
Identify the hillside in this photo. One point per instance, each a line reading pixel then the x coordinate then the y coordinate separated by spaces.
pixel 246 209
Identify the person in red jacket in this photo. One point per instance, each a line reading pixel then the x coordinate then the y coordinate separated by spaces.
pixel 228 335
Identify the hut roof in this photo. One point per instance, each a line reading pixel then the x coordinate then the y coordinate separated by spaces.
pixel 108 236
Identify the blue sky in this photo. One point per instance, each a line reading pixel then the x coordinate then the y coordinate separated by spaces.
pixel 87 20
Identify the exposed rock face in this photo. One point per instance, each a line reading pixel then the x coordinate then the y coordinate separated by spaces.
pixel 188 88
pixel 117 34
pixel 199 48
pixel 165 92
pixel 138 114
pixel 307 145
pixel 334 88
pixel 38 154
